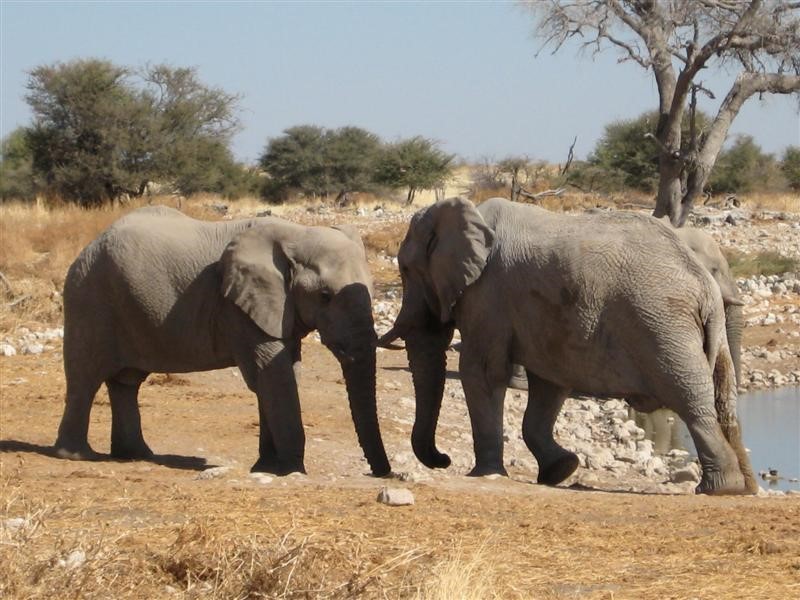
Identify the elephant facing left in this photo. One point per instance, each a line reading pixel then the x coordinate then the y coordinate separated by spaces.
pixel 161 292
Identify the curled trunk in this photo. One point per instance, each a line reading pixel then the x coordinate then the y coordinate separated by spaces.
pixel 428 362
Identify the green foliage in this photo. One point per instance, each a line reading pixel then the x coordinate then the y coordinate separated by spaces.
pixel 318 161
pixel 763 263
pixel 100 131
pixel 790 165
pixel 628 159
pixel 16 167
pixel 415 163
pixel 742 168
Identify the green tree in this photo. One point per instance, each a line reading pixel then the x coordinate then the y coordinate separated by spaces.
pixel 321 161
pixel 350 154
pixel 628 158
pixel 742 168
pixel 296 160
pixel 415 163
pixel 790 165
pixel 101 131
pixel 16 167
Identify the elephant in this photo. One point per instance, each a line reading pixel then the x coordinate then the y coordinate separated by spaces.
pixel 609 306
pixel 159 291
pixel 707 252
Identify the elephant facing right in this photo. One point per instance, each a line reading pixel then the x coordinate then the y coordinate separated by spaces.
pixel 610 306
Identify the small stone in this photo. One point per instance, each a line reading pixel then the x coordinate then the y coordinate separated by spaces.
pixel 75 559
pixel 261 478
pixel 7 350
pixel 690 472
pixel 395 496
pixel 15 524
pixel 32 348
pixel 212 473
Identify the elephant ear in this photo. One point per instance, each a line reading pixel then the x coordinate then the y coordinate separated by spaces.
pixel 458 245
pixel 256 274
pixel 351 232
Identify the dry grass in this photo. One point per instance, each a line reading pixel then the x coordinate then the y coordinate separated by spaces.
pixel 779 202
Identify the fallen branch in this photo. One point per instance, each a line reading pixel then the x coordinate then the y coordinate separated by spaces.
pixel 7 283
pixel 544 194
pixel 19 300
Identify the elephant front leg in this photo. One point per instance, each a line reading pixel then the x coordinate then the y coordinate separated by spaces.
pixel 281 445
pixel 544 403
pixel 485 402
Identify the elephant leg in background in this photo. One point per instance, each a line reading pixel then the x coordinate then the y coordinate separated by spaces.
pixel 485 396
pixel 269 372
pixel 545 400
pixel 127 441
pixel 518 379
pixel 72 441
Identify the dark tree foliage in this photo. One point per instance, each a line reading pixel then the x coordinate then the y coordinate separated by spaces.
pixel 416 164
pixel 742 168
pixel 628 159
pixel 790 165
pixel 102 132
pixel 16 167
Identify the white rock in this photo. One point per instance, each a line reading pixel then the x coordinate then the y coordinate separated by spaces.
pixel 261 478
pixel 7 350
pixel 75 559
pixel 212 473
pixel 395 496
pixel 690 472
pixel 32 348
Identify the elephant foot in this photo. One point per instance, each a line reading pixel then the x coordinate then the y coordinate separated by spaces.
pixel 518 379
pixel 140 451
pixel 75 452
pixel 484 470
pixel 277 467
pixel 558 470
pixel 716 483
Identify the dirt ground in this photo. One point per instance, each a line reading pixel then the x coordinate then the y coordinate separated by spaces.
pixel 165 529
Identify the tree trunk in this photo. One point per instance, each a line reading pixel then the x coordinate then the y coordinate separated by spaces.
pixel 410 198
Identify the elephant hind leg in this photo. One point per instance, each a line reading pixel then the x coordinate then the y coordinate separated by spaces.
pixel 545 400
pixel 73 442
pixel 127 441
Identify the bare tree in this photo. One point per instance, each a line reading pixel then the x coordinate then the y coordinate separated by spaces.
pixel 676 39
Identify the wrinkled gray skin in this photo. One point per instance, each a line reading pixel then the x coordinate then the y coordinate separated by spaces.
pixel 161 292
pixel 612 306
pixel 708 254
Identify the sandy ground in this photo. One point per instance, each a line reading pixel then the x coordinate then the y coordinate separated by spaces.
pixel 161 529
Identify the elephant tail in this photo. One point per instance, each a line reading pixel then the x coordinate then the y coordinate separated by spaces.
pixel 725 394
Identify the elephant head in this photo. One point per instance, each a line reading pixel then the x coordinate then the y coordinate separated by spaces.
pixel 443 253
pixel 294 280
pixel 707 252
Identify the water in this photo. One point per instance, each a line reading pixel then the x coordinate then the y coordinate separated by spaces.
pixel 770 421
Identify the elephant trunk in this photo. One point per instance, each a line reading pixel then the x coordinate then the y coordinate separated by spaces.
pixel 428 362
pixel 359 377
pixel 734 324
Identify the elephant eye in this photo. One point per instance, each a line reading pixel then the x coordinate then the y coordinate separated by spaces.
pixel 326 296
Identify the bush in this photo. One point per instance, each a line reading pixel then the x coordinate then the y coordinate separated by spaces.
pixel 16 167
pixel 790 165
pixel 742 168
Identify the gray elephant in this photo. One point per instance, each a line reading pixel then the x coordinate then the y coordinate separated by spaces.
pixel 612 306
pixel 707 252
pixel 161 292
pixel 709 255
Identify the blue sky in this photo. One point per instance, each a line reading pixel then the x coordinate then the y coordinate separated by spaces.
pixel 462 73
